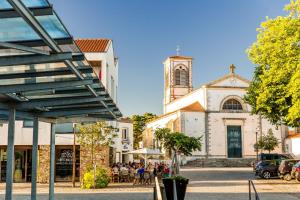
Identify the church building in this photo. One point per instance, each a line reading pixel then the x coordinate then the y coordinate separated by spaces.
pixel 215 111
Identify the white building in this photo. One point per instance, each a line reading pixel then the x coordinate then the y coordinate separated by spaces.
pixel 124 142
pixel 215 111
pixel 100 54
pixel 292 142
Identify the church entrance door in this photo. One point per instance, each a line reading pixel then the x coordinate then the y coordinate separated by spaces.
pixel 234 142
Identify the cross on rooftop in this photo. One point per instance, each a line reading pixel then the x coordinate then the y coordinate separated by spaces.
pixel 232 68
pixel 178 50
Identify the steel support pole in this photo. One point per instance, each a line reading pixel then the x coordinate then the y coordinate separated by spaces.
pixel 52 162
pixel 10 153
pixel 34 157
pixel 256 140
pixel 249 186
pixel 74 156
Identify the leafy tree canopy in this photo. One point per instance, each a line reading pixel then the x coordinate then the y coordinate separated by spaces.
pixel 93 137
pixel 178 143
pixel 96 134
pixel 139 125
pixel 268 142
pixel 274 91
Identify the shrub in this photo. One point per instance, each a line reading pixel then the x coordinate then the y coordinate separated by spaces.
pixel 179 178
pixel 101 181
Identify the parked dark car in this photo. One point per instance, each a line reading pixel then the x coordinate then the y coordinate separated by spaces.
pixel 295 173
pixel 285 169
pixel 271 156
pixel 267 169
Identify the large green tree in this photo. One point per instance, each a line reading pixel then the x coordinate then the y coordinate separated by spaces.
pixel 94 136
pixel 139 125
pixel 178 143
pixel 267 142
pixel 275 89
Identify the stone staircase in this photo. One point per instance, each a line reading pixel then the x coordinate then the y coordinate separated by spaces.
pixel 220 162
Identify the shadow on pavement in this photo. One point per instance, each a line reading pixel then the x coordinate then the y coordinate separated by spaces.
pixel 93 196
pixel 148 196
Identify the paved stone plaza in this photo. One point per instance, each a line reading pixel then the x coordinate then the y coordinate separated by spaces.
pixel 206 184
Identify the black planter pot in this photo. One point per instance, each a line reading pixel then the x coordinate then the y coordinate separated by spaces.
pixel 180 188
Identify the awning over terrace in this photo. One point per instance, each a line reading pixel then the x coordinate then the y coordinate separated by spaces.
pixel 44 77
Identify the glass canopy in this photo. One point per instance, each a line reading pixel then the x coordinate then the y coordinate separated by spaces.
pixel 28 3
pixel 16 29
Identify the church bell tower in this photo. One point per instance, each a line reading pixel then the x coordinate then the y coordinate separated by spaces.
pixel 177 77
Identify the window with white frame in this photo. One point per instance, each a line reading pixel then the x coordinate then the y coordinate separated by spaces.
pixel 181 76
pixel 232 105
pixel 27 123
pixel 124 133
pixel 112 87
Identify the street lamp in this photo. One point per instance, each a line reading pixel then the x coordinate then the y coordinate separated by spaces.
pixel 256 146
pixel 74 156
pixel 256 140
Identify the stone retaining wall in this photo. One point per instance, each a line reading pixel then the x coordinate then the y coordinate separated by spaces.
pixel 101 157
pixel 43 164
pixel 220 162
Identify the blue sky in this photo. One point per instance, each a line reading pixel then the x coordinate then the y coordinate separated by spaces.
pixel 146 32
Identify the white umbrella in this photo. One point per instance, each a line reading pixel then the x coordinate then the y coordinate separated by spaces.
pixel 146 152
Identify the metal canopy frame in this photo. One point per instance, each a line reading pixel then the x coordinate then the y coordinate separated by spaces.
pixel 47 79
pixel 11 13
pixel 38 59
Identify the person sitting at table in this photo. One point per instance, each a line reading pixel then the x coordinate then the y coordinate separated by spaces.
pixel 141 170
pixel 115 169
pixel 166 171
pixel 137 176
pixel 123 168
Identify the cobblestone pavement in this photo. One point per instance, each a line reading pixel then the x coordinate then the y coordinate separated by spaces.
pixel 205 184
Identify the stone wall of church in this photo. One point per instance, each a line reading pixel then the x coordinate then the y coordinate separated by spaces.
pixel 215 97
pixel 148 138
pixel 218 123
pixel 193 124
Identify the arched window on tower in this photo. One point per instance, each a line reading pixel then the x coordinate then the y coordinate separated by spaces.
pixel 181 76
pixel 232 105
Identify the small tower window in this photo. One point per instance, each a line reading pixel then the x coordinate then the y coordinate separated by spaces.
pixel 181 76
pixel 233 105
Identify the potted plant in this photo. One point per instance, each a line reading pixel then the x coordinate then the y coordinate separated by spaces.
pixel 180 184
pixel 178 144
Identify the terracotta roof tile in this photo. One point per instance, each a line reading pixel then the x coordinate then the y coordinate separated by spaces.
pixel 291 132
pixel 93 45
pixel 194 107
pixel 297 135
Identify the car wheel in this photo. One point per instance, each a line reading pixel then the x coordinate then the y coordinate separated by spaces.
pixel 266 175
pixel 297 177
pixel 287 177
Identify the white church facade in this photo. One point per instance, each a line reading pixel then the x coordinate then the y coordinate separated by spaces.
pixel 215 111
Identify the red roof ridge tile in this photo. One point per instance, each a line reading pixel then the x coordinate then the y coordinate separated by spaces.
pixel 93 45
